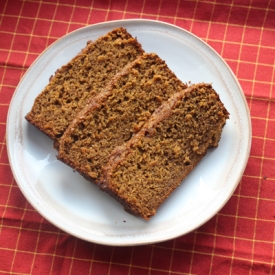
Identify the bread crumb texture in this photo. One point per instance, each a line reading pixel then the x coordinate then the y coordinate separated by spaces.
pixel 84 76
pixel 118 113
pixel 155 162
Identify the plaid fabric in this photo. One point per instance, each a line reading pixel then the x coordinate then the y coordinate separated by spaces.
pixel 240 239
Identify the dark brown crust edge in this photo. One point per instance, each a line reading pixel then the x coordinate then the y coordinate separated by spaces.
pixel 28 116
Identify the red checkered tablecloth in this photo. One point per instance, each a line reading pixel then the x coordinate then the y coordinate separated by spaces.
pixel 240 238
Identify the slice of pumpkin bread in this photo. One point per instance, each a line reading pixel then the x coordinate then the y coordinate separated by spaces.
pixel 84 76
pixel 142 173
pixel 116 114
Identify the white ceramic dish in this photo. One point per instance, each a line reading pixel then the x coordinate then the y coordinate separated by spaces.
pixel 78 207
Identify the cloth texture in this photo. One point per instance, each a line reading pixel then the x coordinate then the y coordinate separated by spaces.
pixel 240 238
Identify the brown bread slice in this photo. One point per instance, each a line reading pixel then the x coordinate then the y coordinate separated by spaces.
pixel 80 79
pixel 117 113
pixel 142 173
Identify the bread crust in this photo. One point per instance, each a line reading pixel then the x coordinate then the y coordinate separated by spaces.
pixel 73 84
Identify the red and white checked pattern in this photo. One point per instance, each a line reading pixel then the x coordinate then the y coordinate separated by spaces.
pixel 240 239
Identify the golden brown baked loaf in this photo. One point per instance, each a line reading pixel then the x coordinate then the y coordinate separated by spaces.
pixel 142 173
pixel 116 114
pixel 83 77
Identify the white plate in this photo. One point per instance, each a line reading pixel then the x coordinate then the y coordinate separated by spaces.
pixel 78 207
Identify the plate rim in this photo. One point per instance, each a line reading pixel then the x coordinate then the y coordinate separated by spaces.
pixel 134 241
